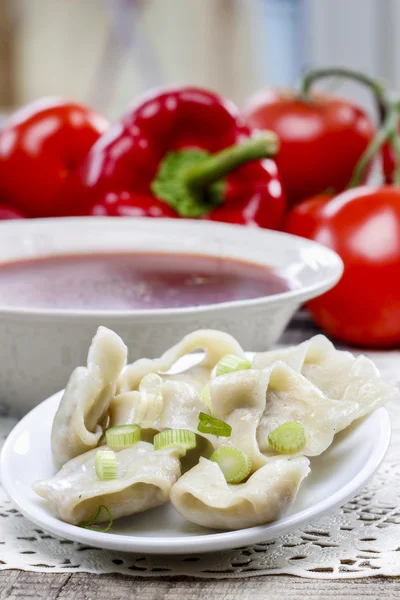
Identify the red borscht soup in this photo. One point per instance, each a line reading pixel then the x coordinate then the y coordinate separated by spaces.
pixel 128 280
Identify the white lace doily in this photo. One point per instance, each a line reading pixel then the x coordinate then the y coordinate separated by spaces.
pixel 360 539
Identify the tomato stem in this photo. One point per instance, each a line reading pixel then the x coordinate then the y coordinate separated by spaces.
pixel 312 76
pixel 387 131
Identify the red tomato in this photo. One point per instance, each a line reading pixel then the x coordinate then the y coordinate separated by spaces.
pixel 321 140
pixel 388 162
pixel 126 204
pixel 40 146
pixel 363 226
pixel 303 217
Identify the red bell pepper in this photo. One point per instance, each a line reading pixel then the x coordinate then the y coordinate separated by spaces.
pixel 8 212
pixel 186 149
pixel 125 204
pixel 40 146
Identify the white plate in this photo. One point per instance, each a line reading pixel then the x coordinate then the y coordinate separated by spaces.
pixel 335 477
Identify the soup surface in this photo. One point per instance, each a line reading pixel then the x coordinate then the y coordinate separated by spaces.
pixel 123 281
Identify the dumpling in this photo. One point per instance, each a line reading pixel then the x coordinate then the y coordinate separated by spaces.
pixel 176 407
pixel 239 399
pixel 178 404
pixel 181 406
pixel 254 402
pixel 77 426
pixel 180 410
pixel 145 478
pixel 215 344
pixel 203 496
pixel 135 407
pixel 319 361
pixel 338 374
pixel 291 397
pixel 315 350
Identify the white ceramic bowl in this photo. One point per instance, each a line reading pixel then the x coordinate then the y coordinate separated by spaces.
pixel 40 347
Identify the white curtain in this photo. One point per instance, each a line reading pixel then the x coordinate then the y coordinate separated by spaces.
pixel 59 46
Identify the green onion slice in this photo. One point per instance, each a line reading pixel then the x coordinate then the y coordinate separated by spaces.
pixel 122 436
pixel 213 426
pixel 288 438
pixel 89 524
pixel 231 363
pixel 150 383
pixel 234 463
pixel 106 464
pixel 175 438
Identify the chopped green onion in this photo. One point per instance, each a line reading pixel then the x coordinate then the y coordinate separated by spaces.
pixel 205 397
pixel 178 438
pixel 234 463
pixel 106 464
pixel 89 524
pixel 122 436
pixel 213 426
pixel 231 363
pixel 287 438
pixel 150 383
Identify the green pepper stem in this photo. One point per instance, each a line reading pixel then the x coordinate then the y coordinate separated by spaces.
pixel 218 165
pixel 387 131
pixel 312 76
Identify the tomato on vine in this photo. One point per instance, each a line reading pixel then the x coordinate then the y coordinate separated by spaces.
pixel 322 136
pixel 362 225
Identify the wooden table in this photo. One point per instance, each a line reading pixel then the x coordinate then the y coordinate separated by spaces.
pixel 83 586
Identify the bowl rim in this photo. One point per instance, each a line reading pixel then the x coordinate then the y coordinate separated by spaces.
pixel 297 295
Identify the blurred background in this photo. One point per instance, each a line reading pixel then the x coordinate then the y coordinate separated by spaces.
pixel 105 52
